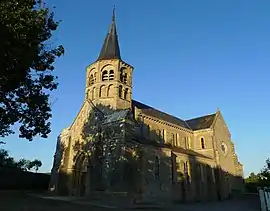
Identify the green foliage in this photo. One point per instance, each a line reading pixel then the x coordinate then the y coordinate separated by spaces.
pixel 26 66
pixel 261 179
pixel 34 164
pixel 23 164
pixel 7 162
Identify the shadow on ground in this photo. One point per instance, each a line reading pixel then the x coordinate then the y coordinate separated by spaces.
pixel 15 201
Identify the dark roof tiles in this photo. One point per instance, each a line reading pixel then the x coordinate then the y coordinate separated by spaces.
pixel 200 123
pixel 147 110
pixel 191 124
pixel 110 48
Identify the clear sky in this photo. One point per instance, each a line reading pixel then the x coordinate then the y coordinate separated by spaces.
pixel 190 58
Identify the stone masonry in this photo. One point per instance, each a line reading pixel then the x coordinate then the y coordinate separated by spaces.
pixel 117 144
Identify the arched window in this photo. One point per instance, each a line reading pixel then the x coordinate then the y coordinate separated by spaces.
pixel 102 91
pixel 173 167
pixel 202 143
pixel 105 75
pixel 186 168
pixel 123 76
pixel 172 140
pixel 94 93
pixel 148 132
pixel 95 77
pixel 111 75
pixel 187 142
pixel 125 93
pixel 187 172
pixel 158 135
pixel 120 90
pixel 91 79
pixel 157 168
pixel 164 135
pixel 110 90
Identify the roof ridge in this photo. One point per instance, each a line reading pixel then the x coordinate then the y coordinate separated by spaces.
pixel 201 116
pixel 159 110
pixel 147 107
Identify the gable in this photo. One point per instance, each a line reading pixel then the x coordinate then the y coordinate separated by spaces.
pixel 219 121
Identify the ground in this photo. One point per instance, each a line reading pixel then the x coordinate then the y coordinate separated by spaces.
pixel 19 201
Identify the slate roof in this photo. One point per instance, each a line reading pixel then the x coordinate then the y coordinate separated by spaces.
pixel 110 48
pixel 199 123
pixel 116 116
pixel 147 110
pixel 202 122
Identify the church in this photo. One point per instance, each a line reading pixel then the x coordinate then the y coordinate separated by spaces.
pixel 119 145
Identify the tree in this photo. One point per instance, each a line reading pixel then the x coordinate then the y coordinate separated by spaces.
pixel 26 67
pixel 6 161
pixel 34 164
pixel 262 179
pixel 23 164
pixel 265 173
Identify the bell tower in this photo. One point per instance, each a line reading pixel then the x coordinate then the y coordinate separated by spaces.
pixel 109 78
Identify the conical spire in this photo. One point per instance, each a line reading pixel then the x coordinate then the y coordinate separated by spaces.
pixel 110 48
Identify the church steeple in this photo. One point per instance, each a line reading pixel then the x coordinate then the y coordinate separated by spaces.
pixel 110 48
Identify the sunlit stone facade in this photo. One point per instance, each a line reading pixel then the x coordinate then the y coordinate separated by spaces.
pixel 117 144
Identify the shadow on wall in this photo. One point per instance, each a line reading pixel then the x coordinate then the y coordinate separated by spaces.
pixel 117 156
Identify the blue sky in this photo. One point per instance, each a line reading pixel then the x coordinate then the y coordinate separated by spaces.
pixel 190 58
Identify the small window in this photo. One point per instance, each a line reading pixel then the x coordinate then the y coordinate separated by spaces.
pixel 95 77
pixel 158 135
pixel 202 143
pixel 187 142
pixel 148 131
pixel 164 135
pixel 105 75
pixel 172 139
pixel 157 167
pixel 125 93
pixel 120 90
pixel 173 168
pixel 111 75
pixel 91 79
pixel 123 76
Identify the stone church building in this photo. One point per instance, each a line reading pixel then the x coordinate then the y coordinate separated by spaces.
pixel 117 144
